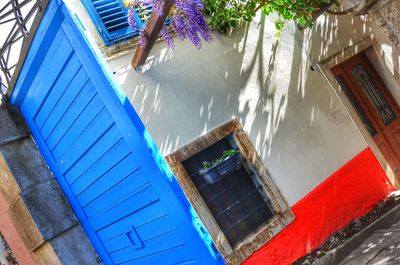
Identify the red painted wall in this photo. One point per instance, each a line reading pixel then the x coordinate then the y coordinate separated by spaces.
pixel 348 194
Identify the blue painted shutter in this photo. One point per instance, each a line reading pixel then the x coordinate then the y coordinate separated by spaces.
pixel 110 18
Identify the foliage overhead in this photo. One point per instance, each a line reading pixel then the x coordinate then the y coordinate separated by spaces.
pixel 226 14
pixel 196 20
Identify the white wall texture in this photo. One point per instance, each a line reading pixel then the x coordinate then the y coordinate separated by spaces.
pixel 295 121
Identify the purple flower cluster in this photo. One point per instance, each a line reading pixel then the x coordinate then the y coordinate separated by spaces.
pixel 166 36
pixel 179 26
pixel 158 6
pixel 191 22
pixel 142 38
pixel 131 19
pixel 186 18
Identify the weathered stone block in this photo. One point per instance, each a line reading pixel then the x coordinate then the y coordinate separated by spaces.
pixel 8 185
pixel 49 209
pixel 72 247
pixel 12 125
pixel 25 163
pixel 25 225
pixel 45 255
pixel 357 6
pixel 387 14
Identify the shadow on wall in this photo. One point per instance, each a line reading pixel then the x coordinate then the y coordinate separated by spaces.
pixel 234 75
pixel 267 84
pixel 264 82
pixel 331 34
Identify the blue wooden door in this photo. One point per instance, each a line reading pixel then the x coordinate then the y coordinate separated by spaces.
pixel 101 155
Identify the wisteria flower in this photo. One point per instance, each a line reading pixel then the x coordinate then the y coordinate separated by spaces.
pixel 185 19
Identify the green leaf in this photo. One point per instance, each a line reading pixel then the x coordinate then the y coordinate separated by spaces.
pixel 226 14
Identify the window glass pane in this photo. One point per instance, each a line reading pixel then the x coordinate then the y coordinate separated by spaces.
pixel 356 105
pixel 236 201
pixel 376 97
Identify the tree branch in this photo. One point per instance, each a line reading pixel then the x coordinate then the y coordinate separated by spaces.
pixel 151 31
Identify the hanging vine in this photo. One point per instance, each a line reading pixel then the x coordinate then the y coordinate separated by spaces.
pixel 198 20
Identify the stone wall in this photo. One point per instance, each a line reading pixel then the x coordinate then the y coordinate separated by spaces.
pixel 37 208
pixel 357 7
pixel 387 15
pixel 385 12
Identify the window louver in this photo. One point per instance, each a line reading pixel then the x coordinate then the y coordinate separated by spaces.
pixel 110 18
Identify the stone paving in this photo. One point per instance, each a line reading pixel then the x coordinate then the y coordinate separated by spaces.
pixel 381 248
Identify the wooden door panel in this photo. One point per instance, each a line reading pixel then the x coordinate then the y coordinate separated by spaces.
pixel 374 105
pixel 388 154
pixel 393 134
pixel 371 90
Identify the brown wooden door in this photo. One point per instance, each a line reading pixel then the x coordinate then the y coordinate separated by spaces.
pixel 374 104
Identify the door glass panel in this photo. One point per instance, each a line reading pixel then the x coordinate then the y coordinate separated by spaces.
pixel 356 105
pixel 375 96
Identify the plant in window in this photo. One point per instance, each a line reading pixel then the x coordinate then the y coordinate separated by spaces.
pixel 214 171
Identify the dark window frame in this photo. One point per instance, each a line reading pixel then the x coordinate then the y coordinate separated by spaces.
pixel 283 213
pixel 236 199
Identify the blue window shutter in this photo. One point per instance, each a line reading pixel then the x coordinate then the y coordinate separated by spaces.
pixel 110 18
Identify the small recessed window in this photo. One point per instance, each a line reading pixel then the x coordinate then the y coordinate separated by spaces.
pixel 231 191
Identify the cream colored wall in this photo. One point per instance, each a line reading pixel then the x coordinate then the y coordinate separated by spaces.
pixel 296 122
pixel 331 34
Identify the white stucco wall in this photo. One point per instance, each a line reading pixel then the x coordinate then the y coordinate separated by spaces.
pixel 295 121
